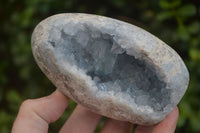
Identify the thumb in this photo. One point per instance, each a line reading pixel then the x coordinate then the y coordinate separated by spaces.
pixel 35 115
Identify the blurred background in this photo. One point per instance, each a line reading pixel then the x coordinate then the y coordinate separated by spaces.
pixel 176 22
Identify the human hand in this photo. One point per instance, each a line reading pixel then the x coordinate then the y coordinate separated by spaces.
pixel 35 116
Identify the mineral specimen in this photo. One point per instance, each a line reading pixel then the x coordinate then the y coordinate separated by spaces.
pixel 111 67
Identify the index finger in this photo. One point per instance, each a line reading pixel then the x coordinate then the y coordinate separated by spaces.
pixel 35 115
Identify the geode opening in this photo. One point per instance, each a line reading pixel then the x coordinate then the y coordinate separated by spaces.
pixel 109 65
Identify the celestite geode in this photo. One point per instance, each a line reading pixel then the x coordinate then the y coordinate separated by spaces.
pixel 111 67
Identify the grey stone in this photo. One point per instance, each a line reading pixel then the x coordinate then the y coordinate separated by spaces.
pixel 111 67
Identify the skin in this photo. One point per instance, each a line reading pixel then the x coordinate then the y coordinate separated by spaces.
pixel 35 116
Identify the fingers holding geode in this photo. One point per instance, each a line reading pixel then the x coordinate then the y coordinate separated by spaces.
pixel 115 126
pixel 81 121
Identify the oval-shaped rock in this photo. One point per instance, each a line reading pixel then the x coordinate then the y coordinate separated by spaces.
pixel 111 67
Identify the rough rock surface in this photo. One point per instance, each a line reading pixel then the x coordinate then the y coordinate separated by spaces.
pixel 111 67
